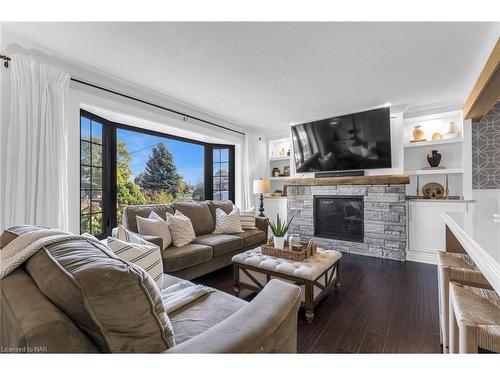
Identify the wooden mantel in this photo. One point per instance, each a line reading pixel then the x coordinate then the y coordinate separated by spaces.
pixel 486 91
pixel 350 180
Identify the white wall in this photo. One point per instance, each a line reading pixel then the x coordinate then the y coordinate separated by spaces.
pixel 82 96
pixel 487 200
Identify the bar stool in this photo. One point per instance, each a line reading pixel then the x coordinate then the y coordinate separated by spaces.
pixel 454 267
pixel 474 319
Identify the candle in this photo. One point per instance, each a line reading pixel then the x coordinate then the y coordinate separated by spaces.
pixel 446 191
pixel 418 186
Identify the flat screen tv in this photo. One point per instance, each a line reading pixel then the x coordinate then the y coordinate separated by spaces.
pixel 357 141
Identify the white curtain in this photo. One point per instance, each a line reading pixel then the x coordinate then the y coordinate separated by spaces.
pixel 254 166
pixel 34 176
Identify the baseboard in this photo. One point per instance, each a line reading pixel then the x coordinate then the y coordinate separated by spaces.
pixel 414 256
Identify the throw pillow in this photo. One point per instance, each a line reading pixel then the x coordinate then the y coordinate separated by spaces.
pixel 181 229
pixel 154 225
pixel 247 219
pixel 148 257
pixel 115 302
pixel 124 234
pixel 227 223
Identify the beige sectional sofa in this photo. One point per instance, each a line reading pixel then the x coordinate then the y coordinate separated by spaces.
pixel 208 252
pixel 68 296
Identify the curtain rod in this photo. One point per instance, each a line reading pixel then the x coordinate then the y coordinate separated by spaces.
pixel 184 115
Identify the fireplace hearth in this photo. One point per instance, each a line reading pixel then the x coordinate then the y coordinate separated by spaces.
pixel 339 217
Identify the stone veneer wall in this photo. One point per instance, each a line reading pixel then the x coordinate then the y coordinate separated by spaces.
pixel 384 214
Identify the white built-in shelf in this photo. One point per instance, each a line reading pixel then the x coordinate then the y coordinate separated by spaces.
pixel 434 143
pixel 436 171
pixel 280 158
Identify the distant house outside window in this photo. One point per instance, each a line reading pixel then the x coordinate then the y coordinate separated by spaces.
pixel 220 174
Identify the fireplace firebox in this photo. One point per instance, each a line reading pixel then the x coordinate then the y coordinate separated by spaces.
pixel 339 217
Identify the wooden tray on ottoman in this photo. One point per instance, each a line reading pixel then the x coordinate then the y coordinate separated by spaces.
pixel 308 250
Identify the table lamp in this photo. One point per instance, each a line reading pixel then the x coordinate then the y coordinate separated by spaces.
pixel 261 187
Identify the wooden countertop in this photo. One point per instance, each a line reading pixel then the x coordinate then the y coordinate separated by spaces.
pixel 350 180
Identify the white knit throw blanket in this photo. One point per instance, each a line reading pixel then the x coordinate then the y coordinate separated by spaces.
pixel 180 294
pixel 25 246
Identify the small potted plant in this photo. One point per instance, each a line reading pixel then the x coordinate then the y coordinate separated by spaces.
pixel 279 229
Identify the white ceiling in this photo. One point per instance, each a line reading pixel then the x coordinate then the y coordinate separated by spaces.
pixel 267 75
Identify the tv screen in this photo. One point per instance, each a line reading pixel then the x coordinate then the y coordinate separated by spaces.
pixel 356 141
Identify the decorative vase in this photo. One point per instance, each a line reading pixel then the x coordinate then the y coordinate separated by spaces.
pixel 279 242
pixel 452 132
pixel 418 133
pixel 434 158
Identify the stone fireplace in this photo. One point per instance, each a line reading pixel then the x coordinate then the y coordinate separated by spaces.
pixel 359 215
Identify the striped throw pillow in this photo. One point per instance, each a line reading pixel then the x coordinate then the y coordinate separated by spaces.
pixel 124 234
pixel 247 219
pixel 148 257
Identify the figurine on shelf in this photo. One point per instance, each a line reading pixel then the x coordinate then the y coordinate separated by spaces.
pixel 452 132
pixel 286 170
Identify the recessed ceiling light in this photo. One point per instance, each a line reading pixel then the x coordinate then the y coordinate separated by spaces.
pixel 387 104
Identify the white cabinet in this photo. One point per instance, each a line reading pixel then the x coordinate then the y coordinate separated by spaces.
pixel 426 229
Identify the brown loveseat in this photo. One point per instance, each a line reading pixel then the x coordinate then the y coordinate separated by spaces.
pixel 208 252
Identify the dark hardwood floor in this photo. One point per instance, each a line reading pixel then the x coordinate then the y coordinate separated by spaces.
pixel 382 306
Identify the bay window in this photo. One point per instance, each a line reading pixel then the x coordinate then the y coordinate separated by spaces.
pixel 123 165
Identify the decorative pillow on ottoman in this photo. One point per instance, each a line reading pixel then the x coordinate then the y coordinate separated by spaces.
pixel 147 256
pixel 227 223
pixel 181 229
pixel 155 226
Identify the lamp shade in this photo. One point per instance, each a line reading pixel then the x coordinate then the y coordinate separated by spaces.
pixel 261 186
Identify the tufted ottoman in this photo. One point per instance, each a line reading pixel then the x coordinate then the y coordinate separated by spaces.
pixel 315 275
